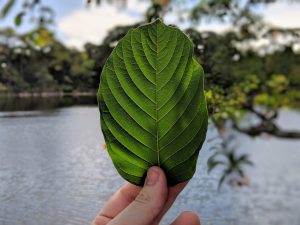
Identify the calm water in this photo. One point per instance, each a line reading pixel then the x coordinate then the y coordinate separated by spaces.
pixel 53 171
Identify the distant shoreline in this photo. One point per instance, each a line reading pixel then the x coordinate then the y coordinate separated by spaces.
pixel 47 94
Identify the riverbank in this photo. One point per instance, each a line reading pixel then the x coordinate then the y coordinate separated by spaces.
pixel 47 94
pixel 45 101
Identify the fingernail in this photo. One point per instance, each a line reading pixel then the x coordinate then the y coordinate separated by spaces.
pixel 152 177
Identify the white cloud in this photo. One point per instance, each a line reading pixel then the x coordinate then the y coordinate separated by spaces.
pixel 92 24
pixel 215 26
pixel 283 14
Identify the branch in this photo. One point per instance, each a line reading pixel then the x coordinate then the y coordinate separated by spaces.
pixel 267 116
pixel 268 128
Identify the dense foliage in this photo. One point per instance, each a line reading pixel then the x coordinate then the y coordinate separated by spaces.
pixel 36 62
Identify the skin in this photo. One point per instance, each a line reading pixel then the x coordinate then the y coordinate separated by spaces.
pixel 132 205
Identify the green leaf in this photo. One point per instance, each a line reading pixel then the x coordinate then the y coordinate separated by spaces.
pixel 7 8
pixel 152 104
pixel 211 164
pixel 18 18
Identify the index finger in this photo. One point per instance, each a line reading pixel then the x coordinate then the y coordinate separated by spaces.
pixel 119 201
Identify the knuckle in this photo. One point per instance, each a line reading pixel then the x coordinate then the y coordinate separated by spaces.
pixel 143 197
pixel 153 206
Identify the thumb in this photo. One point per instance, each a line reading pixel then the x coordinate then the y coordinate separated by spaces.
pixel 149 202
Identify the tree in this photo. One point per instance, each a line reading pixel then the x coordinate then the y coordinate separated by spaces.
pixel 36 62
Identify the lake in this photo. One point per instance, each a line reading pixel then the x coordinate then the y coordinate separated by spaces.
pixel 53 171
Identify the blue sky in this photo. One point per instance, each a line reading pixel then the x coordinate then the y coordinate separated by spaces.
pixel 76 25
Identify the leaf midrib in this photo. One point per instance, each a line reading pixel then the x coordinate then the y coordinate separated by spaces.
pixel 156 109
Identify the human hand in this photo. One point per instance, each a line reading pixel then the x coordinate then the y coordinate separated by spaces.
pixel 132 205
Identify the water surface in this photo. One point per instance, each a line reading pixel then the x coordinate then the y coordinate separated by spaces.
pixel 53 171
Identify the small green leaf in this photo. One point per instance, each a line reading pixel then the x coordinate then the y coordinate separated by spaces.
pixel 211 164
pixel 152 104
pixel 7 8
pixel 18 18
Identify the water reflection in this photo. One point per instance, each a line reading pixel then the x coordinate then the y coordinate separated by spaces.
pixel 43 103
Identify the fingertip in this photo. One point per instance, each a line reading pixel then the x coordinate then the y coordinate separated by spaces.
pixel 187 218
pixel 119 201
pixel 191 218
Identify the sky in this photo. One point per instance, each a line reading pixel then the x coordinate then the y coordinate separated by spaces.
pixel 76 24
